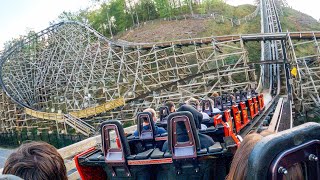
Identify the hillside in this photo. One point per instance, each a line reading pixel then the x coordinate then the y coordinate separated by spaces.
pixel 162 30
pixel 293 20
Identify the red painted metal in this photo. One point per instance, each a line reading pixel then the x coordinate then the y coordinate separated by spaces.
pixel 256 105
pixel 251 108
pixel 244 113
pixel 89 172
pixel 237 117
pixel 261 101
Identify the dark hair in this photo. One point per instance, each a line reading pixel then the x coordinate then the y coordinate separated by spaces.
pixel 169 104
pixel 36 160
pixel 145 120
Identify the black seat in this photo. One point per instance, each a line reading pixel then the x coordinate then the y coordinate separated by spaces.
pixel 215 148
pixel 184 145
pixel 237 96
pixel 243 95
pixel 163 113
pixel 204 104
pixel 115 148
pixel 208 122
pixel 254 93
pixel 183 135
pixel 157 154
pixel 145 133
pixel 272 157
pixel 144 155
pixel 116 152
pixel 218 103
pixel 205 141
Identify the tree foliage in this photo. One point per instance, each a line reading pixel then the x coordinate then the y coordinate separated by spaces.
pixel 115 16
pixel 146 10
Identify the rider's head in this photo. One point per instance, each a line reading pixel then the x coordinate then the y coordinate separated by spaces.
pixel 36 160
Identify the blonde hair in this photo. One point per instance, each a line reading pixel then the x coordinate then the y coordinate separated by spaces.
pixel 215 94
pixel 193 101
pixel 153 113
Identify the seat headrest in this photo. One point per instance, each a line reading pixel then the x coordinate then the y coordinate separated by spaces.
pixel 147 118
pixel 163 112
pixel 205 103
pixel 269 151
pixel 218 102
pixel 253 92
pixel 243 95
pixel 121 140
pixel 182 129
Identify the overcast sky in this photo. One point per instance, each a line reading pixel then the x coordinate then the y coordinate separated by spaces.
pixel 19 16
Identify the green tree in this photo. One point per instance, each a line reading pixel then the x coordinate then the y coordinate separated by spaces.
pixel 117 10
pixel 110 18
pixel 146 10
pixel 133 12
pixel 218 6
pixel 163 8
pixel 80 16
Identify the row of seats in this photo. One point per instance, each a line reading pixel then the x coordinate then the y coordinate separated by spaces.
pixel 185 159
pixel 184 141
pixel 223 126
pixel 238 109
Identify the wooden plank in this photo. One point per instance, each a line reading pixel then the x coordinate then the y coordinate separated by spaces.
pixel 274 121
pixel 285 117
pixel 43 115
pixel 247 37
pixel 74 176
pixel 80 114
pixel 70 164
pixel 76 148
pixel 99 109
